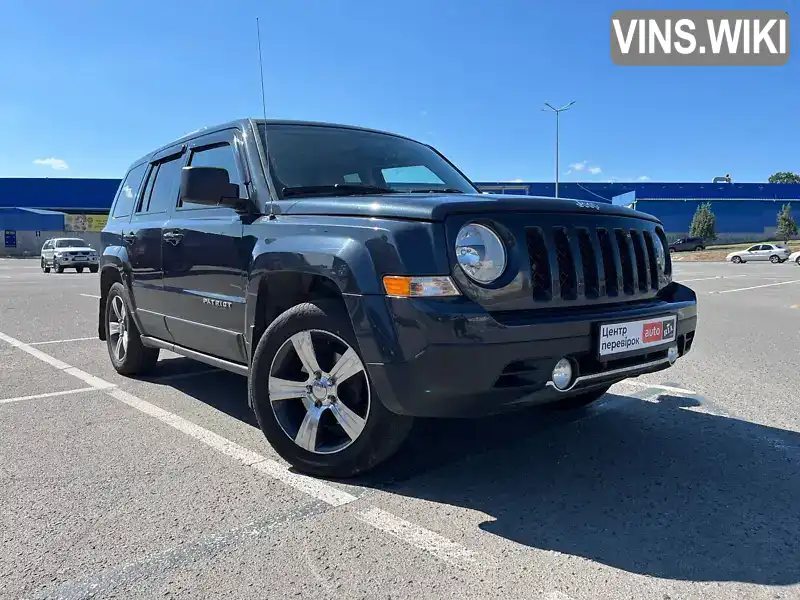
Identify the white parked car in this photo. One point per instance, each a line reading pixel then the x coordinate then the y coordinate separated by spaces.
pixel 771 252
pixel 68 253
pixel 795 258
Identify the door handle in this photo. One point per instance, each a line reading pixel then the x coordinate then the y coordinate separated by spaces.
pixel 173 237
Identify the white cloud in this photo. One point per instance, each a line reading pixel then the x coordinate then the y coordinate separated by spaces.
pixel 58 164
pixel 644 178
pixel 517 180
pixel 595 170
pixel 579 166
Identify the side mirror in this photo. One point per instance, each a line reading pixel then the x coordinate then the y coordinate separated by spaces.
pixel 211 186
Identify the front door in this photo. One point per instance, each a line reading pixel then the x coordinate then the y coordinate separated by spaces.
pixel 206 260
pixel 143 238
pixel 47 252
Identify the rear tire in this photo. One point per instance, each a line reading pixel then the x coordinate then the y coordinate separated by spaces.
pixel 79 269
pixel 581 400
pixel 125 349
pixel 342 434
pixel 774 259
pixel 698 248
pixel 797 261
pixel 93 269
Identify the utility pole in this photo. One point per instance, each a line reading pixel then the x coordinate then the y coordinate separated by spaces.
pixel 558 112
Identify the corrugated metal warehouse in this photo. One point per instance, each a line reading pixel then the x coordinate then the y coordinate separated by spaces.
pixel 744 211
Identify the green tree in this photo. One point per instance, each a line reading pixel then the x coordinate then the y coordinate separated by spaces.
pixel 784 177
pixel 704 223
pixel 787 227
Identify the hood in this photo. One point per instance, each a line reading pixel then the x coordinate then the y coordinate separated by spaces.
pixel 75 249
pixel 437 207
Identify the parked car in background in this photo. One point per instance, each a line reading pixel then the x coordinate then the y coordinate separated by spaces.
pixel 689 243
pixel 795 258
pixel 771 252
pixel 68 253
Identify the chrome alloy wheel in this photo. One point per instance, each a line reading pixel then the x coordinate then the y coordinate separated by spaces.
pixel 118 328
pixel 319 391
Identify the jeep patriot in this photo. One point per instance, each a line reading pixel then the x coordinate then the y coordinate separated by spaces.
pixel 359 280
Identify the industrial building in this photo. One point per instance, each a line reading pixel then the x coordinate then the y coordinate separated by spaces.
pixel 31 210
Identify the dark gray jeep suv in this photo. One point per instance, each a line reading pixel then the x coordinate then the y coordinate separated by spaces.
pixel 359 279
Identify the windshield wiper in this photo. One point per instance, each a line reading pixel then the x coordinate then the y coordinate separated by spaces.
pixel 434 191
pixel 339 189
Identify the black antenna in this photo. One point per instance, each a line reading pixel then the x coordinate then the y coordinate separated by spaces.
pixel 263 101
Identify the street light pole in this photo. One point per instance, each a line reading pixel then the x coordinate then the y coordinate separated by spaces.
pixel 558 112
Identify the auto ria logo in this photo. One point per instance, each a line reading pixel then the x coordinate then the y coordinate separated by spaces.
pixel 217 303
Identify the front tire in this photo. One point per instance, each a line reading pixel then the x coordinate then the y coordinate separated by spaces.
pixel 93 269
pixel 797 261
pixel 698 248
pixel 57 267
pixel 313 398
pixel 45 268
pixel 737 260
pixel 125 349
pixel 79 269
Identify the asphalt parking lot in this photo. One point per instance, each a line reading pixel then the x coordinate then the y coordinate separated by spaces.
pixel 681 484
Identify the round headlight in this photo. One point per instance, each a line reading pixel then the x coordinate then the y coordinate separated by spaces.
pixel 480 253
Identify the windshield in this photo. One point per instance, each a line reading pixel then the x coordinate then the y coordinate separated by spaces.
pixel 71 243
pixel 324 160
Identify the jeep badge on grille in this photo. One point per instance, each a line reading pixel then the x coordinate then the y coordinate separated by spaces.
pixel 585 204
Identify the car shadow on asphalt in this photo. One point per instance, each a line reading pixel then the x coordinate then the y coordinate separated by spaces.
pixel 660 488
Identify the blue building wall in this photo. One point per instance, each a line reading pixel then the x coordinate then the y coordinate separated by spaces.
pixel 649 189
pixel 732 216
pixel 743 210
pixel 71 195
pixel 739 207
pixel 25 219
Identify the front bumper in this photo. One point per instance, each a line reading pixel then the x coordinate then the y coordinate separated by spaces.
pixel 459 360
pixel 70 262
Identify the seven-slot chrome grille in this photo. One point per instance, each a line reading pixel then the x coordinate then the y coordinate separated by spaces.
pixel 596 263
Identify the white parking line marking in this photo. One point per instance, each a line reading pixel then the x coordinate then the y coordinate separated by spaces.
pixel 90 296
pixel 63 341
pixel 95 382
pixel 666 388
pixel 34 352
pixel 309 485
pixel 755 287
pixel 47 395
pixel 708 278
pixel 425 539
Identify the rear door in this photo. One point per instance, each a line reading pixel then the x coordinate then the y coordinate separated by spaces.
pixel 206 260
pixel 143 239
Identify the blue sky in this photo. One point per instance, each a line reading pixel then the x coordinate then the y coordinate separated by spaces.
pixel 94 85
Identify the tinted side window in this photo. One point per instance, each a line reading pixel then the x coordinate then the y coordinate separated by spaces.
pixel 216 156
pixel 165 187
pixel 128 192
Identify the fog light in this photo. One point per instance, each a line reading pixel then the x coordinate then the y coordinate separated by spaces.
pixel 562 374
pixel 672 354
